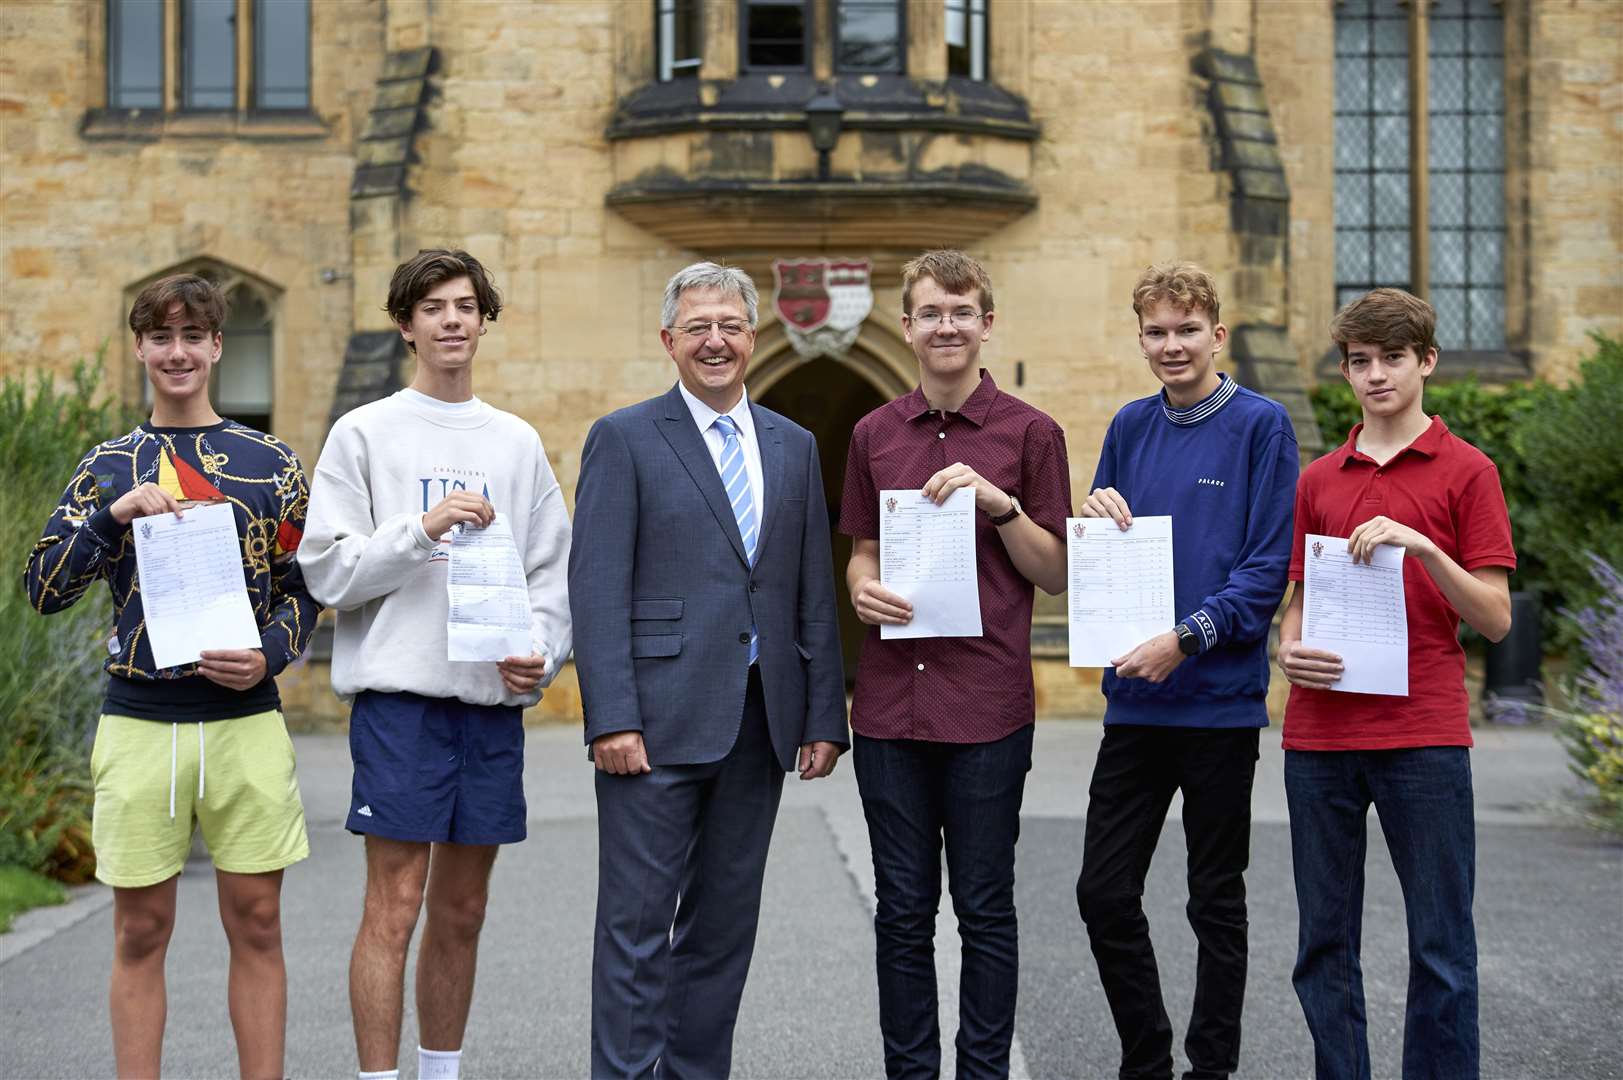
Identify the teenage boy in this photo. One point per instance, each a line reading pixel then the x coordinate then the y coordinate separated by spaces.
pixel 1400 478
pixel 438 747
pixel 943 726
pixel 213 727
pixel 1184 708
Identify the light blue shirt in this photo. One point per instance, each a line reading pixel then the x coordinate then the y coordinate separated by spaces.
pixel 705 417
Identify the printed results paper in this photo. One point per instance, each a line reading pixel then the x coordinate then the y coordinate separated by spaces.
pixel 193 592
pixel 927 554
pixel 1119 591
pixel 489 616
pixel 1356 611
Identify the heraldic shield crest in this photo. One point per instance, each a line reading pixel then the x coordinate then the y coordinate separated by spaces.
pixel 822 302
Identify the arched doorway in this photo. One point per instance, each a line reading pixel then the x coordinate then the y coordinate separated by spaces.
pixel 827 397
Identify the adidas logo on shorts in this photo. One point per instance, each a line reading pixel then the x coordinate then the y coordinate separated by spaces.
pixel 365 811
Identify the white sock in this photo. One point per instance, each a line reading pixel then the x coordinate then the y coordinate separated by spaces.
pixel 438 1064
pixel 386 1074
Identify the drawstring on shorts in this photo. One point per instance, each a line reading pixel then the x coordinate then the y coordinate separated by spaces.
pixel 174 756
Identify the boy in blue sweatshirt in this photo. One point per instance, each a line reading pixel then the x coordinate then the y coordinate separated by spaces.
pixel 1185 706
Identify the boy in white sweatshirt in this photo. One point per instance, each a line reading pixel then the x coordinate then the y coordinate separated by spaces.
pixel 438 746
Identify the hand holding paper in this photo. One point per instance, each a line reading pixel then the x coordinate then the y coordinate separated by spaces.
pixel 193 593
pixel 489 617
pixel 1355 611
pixel 927 555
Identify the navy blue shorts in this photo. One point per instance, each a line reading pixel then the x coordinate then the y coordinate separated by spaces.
pixel 436 769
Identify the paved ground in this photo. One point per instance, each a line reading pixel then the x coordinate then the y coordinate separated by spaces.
pixel 1549 912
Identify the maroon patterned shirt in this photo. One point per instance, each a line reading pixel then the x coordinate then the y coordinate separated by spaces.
pixel 956 690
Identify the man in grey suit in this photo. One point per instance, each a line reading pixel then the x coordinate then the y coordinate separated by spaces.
pixel 706 640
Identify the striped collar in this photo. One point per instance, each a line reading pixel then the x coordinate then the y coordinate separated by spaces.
pixel 1226 389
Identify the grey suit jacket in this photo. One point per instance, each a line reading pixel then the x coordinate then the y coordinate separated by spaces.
pixel 662 594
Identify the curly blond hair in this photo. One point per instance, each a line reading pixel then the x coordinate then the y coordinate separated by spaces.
pixel 1184 285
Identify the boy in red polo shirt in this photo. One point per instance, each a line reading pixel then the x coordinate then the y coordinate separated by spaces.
pixel 1401 478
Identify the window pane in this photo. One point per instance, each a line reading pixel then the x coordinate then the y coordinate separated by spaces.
pixel 870 36
pixel 1391 86
pixel 1391 36
pixel 135 54
pixel 1447 149
pixel 1352 37
pixel 209 54
pixel 1487 258
pixel 775 31
pixel 244 387
pixel 1447 84
pixel 1446 37
pixel 1391 142
pixel 1448 199
pixel 1392 258
pixel 1352 255
pixel 1487 83
pixel 1487 199
pixel 1487 148
pixel 680 46
pixel 1352 142
pixel 1352 86
pixel 1447 257
pixel 282 54
pixel 1487 315
pixel 1450 305
pixel 1352 200
pixel 966 38
pixel 1392 199
pixel 1487 32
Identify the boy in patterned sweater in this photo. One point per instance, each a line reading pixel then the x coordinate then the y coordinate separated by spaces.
pixel 235 754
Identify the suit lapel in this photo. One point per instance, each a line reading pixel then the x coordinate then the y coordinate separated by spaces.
pixel 770 440
pixel 682 434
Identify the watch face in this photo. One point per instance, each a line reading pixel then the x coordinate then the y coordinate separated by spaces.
pixel 1186 642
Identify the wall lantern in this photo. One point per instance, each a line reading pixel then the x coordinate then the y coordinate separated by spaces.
pixel 824 115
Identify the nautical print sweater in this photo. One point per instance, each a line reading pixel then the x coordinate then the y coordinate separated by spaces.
pixel 1225 469
pixel 260 477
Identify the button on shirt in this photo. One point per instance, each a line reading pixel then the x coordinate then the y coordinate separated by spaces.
pixel 705 417
pixel 956 690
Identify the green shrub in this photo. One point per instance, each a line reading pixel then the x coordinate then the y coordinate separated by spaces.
pixel 1560 457
pixel 22 889
pixel 50 667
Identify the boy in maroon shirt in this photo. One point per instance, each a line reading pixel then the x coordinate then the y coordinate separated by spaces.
pixel 1401 478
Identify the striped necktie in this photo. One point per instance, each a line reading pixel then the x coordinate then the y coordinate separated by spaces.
pixel 736 479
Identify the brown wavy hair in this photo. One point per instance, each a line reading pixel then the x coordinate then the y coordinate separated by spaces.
pixel 423 272
pixel 201 299
pixel 1183 285
pixel 1390 318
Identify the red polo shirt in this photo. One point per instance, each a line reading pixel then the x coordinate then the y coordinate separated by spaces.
pixel 1446 488
pixel 956 690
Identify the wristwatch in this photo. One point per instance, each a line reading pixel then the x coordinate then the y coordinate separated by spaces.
pixel 1013 512
pixel 1188 643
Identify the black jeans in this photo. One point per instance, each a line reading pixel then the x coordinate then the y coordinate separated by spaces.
pixel 1138 770
pixel 913 794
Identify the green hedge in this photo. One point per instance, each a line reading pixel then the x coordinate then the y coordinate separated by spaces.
pixel 1560 456
pixel 50 666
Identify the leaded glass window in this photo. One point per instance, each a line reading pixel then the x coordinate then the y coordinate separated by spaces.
pixel 1466 111
pixel 868 35
pixel 135 54
pixel 1464 211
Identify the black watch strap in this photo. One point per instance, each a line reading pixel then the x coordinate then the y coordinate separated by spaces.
pixel 1013 512
pixel 1188 643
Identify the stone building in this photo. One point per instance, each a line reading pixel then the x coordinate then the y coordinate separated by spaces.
pixel 1469 149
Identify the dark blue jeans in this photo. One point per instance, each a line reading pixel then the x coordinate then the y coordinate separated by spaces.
pixel 914 794
pixel 1423 798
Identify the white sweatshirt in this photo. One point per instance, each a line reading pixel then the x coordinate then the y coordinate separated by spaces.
pixel 365 552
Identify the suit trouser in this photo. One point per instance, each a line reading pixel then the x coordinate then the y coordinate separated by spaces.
pixel 681 857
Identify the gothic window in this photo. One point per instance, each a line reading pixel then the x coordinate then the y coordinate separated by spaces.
pixel 1442 237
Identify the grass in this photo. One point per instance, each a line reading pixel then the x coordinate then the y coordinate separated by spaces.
pixel 22 889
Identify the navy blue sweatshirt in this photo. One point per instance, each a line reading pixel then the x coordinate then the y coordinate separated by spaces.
pixel 1225 470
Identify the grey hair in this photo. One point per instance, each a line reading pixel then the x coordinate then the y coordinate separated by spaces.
pixel 708 275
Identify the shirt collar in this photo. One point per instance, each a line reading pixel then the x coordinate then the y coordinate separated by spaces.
pixel 704 415
pixel 1205 407
pixel 1427 444
pixel 974 409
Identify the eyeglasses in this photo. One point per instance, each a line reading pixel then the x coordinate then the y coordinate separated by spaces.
pixel 962 319
pixel 702 329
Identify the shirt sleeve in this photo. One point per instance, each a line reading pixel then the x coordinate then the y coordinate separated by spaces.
pixel 80 543
pixel 1045 477
pixel 546 569
pixel 293 612
pixel 1482 523
pixel 1243 609
pixel 859 501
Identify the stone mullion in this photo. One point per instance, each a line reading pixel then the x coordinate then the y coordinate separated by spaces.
pixel 1419 152
pixel 171 56
pixel 245 54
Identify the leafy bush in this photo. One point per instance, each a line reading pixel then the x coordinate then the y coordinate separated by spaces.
pixel 50 667
pixel 1560 458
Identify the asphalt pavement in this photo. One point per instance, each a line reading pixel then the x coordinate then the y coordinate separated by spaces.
pixel 1549 921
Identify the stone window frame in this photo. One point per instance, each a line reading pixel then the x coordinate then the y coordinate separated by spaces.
pixel 1497 360
pixel 233 282
pixel 246 118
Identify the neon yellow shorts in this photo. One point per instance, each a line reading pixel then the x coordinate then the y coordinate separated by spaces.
pixel 156 782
